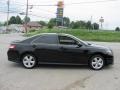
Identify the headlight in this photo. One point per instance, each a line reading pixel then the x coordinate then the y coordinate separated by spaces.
pixel 109 52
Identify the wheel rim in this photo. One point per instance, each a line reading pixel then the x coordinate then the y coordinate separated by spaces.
pixel 29 61
pixel 97 62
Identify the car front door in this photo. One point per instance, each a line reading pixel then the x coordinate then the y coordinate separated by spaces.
pixel 71 52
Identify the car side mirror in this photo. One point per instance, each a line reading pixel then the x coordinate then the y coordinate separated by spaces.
pixel 80 45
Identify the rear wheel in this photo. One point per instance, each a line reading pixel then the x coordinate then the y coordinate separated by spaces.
pixel 29 61
pixel 97 62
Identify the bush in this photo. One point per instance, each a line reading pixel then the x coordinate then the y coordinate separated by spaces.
pixel 33 30
pixel 117 29
pixel 50 26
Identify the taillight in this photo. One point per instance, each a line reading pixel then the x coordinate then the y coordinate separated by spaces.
pixel 12 46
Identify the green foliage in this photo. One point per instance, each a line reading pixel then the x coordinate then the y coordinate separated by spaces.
pixel 72 24
pixel 12 20
pixel 76 25
pixel 95 26
pixel 52 22
pixel 18 20
pixel 117 29
pixel 43 23
pixel 31 31
pixel 84 25
pixel 50 25
pixel 88 25
pixel 26 19
pixel 66 21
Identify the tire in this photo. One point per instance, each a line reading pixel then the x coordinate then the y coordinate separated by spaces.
pixel 97 62
pixel 29 61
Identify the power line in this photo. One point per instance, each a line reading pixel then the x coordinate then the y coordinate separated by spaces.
pixel 9 11
pixel 91 2
pixel 43 5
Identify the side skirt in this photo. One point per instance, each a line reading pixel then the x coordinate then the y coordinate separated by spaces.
pixel 60 63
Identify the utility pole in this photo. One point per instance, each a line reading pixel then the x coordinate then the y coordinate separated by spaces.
pixel 91 19
pixel 26 16
pixel 8 4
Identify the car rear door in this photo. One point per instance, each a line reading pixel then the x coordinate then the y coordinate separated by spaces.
pixel 46 48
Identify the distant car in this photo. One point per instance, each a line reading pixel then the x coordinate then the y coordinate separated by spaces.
pixel 65 49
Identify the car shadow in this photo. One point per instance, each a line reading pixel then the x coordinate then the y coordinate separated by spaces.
pixel 49 66
pixel 54 67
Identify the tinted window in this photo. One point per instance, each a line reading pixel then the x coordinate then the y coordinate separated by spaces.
pixel 48 39
pixel 29 39
pixel 67 40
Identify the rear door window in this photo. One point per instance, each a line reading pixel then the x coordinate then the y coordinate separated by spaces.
pixel 46 39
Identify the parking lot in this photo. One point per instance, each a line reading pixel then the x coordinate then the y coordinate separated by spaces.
pixel 51 77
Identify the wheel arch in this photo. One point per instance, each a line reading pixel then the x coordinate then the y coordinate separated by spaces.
pixel 98 53
pixel 27 52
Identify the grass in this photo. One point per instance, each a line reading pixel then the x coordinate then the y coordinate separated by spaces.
pixel 94 35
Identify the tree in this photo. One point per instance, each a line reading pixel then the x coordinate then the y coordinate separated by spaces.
pixel 50 25
pixel 88 25
pixel 95 26
pixel 76 25
pixel 18 20
pixel 72 24
pixel 117 29
pixel 26 19
pixel 52 21
pixel 43 23
pixel 12 20
pixel 66 21
pixel 82 24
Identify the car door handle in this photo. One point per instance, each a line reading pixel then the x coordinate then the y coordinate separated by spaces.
pixel 62 48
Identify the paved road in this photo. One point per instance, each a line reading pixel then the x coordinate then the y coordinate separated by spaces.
pixel 47 77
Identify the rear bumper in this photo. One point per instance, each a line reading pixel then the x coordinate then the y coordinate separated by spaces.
pixel 13 56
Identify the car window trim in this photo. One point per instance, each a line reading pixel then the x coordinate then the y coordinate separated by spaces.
pixel 68 37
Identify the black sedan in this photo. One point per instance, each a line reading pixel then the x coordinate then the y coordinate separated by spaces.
pixel 65 49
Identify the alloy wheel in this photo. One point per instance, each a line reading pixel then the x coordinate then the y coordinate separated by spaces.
pixel 97 62
pixel 29 61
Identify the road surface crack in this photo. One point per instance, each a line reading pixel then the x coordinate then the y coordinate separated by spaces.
pixel 77 84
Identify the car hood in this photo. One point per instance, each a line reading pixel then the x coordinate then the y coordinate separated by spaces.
pixel 99 46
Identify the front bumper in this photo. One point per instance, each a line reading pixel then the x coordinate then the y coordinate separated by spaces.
pixel 109 60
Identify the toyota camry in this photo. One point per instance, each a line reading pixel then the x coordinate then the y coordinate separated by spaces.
pixel 53 48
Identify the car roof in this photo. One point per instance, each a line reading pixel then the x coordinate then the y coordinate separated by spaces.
pixel 63 34
pixel 53 34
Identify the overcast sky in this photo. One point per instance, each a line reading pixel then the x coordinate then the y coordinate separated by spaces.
pixel 109 10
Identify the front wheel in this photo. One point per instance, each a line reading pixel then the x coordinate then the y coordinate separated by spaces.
pixel 97 62
pixel 29 61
